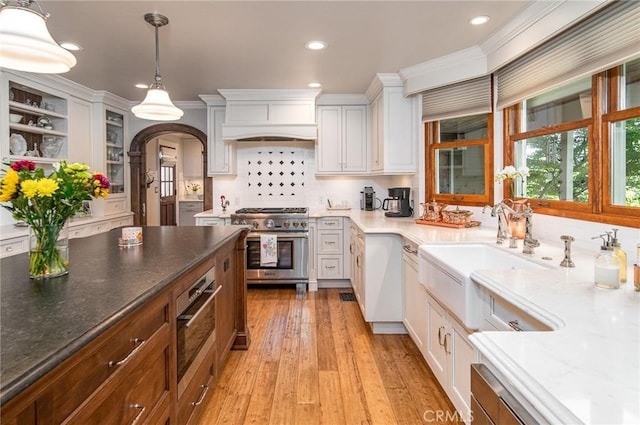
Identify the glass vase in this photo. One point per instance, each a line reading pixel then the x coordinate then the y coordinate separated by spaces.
pixel 48 251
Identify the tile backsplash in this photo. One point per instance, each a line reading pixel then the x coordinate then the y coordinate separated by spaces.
pixel 279 175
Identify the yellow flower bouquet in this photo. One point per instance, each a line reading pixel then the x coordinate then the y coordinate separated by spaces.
pixel 45 203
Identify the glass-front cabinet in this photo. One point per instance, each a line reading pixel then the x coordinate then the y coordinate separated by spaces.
pixel 115 154
pixel 37 122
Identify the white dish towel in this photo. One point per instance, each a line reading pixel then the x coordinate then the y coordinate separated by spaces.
pixel 268 250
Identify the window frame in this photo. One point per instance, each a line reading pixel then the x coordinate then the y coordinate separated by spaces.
pixel 432 142
pixel 605 86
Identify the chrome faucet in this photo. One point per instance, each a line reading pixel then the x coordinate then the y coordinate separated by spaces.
pixel 497 211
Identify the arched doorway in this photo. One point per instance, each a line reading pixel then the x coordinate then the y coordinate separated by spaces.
pixel 137 160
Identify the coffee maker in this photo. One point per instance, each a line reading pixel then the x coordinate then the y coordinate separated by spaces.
pixel 368 199
pixel 398 203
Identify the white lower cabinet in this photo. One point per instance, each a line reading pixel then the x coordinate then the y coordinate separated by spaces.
pixel 377 279
pixel 13 246
pixel 450 355
pixel 415 297
pixel 330 242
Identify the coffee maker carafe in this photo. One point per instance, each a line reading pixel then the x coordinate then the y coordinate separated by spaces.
pixel 398 203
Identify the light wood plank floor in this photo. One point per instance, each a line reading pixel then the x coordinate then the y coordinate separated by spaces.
pixel 313 360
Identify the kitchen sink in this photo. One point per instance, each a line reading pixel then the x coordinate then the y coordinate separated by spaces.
pixel 445 270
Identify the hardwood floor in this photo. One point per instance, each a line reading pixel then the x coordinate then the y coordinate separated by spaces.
pixel 313 360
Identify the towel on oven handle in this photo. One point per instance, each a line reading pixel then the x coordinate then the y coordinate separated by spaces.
pixel 268 250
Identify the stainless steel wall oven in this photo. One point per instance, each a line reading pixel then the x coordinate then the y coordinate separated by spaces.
pixel 196 319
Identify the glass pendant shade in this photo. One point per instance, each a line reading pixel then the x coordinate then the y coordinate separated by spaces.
pixel 26 45
pixel 157 106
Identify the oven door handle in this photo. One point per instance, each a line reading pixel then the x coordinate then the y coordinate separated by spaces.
pixel 191 317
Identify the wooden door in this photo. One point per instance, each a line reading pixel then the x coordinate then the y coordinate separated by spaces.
pixel 168 195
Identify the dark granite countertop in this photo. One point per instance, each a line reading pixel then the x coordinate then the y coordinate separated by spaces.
pixel 44 322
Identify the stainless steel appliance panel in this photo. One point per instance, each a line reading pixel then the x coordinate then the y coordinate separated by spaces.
pixel 196 320
pixel 292 265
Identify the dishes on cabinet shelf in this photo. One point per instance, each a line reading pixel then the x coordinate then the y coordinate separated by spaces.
pixel 50 146
pixel 15 118
pixel 45 122
pixel 17 144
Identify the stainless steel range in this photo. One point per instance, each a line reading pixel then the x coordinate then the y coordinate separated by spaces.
pixel 288 230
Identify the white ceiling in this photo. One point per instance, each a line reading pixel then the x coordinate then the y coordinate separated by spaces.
pixel 260 44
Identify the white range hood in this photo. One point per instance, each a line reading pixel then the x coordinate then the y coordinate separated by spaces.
pixel 270 114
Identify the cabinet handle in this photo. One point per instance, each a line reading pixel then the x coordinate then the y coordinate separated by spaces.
pixel 330 242
pixel 446 343
pixel 329 267
pixel 138 343
pixel 141 409
pixel 440 329
pixel 515 326
pixel 205 388
pixel 351 248
pixel 410 250
pixel 9 249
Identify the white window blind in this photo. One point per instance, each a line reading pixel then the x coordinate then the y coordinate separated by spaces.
pixel 605 39
pixel 470 97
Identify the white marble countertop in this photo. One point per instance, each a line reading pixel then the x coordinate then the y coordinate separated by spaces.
pixel 586 370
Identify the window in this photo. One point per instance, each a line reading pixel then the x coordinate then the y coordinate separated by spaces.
pixel 581 143
pixel 459 154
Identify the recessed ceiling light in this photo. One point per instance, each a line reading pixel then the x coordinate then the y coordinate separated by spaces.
pixel 70 46
pixel 316 45
pixel 142 86
pixel 479 20
pixel 314 85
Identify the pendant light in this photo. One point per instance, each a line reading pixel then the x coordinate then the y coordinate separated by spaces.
pixel 25 42
pixel 157 105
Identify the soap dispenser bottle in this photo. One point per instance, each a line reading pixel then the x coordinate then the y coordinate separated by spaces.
pixel 607 265
pixel 619 252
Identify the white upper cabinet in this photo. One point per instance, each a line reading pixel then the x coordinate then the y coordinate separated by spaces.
pixel 221 159
pixel 342 140
pixel 394 127
pixel 36 121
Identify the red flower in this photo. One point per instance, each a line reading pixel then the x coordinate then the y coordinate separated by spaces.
pixel 23 165
pixel 102 180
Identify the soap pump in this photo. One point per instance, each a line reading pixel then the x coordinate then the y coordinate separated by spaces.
pixel 607 264
pixel 619 252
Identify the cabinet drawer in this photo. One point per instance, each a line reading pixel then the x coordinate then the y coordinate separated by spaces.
pixel 114 206
pixel 120 222
pixel 97 228
pixel 108 359
pixel 78 232
pixel 13 246
pixel 330 242
pixel 190 404
pixel 330 223
pixel 136 393
pixel 330 267
pixel 211 221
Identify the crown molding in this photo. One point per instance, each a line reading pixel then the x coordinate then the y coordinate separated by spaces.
pixel 269 94
pixel 381 81
pixel 536 24
pixel 342 99
pixel 213 99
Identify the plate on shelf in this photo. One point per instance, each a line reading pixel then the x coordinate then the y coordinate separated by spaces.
pixel 17 144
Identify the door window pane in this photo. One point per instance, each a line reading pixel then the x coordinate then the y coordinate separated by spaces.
pixel 463 128
pixel 625 162
pixel 571 102
pixel 558 166
pixel 460 170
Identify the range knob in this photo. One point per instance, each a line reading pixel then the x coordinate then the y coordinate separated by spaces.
pixel 296 224
pixel 286 224
pixel 303 224
pixel 269 224
pixel 255 224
